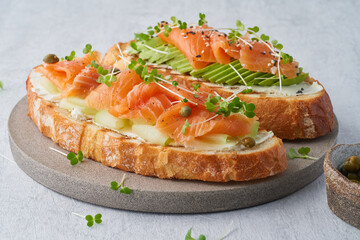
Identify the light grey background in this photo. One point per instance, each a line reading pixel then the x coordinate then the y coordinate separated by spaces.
pixel 323 36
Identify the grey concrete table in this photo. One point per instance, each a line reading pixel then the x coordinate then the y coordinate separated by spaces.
pixel 324 37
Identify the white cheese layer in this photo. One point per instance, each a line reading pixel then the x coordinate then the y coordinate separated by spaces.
pixel 274 91
pixel 35 78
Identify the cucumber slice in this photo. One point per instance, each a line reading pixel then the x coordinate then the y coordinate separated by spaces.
pixel 214 142
pixel 151 134
pixel 71 103
pixel 49 86
pixel 104 118
pixel 254 129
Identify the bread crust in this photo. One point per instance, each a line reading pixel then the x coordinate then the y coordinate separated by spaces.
pixel 297 117
pixel 129 154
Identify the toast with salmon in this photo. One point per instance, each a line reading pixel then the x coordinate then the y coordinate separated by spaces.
pixel 138 121
pixel 288 101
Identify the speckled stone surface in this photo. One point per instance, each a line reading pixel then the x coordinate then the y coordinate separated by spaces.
pixel 322 35
pixel 342 194
pixel 90 180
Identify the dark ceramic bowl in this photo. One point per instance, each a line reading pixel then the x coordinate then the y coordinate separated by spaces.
pixel 343 195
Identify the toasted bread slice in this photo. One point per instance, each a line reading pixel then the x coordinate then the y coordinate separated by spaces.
pixel 289 117
pixel 131 154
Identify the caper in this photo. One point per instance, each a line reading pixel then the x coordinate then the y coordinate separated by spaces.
pixel 50 58
pixel 248 142
pixel 353 176
pixel 352 164
pixel 344 171
pixel 185 111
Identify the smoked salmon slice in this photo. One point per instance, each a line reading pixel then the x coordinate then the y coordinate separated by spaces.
pixel 63 73
pixel 193 43
pixel 104 97
pixel 257 56
pixel 83 83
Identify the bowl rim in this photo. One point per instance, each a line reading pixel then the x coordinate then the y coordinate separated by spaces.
pixel 328 164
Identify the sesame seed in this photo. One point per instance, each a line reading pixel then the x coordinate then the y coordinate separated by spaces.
pixel 198 56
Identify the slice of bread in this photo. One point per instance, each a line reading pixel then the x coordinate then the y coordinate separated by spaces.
pixel 289 117
pixel 130 154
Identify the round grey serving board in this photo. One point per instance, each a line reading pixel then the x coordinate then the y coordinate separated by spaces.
pixel 89 181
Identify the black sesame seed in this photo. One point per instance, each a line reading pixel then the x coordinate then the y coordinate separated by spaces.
pixel 275 62
pixel 263 53
pixel 198 56
pixel 250 47
pixel 297 74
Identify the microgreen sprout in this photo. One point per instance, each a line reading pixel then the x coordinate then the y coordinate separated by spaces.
pixel 189 237
pixel 248 90
pixel 214 104
pixel 87 48
pixel 186 125
pixel 175 83
pixel 141 68
pixel 71 56
pixel 202 20
pixel 301 153
pixel 1 85
pixel 196 87
pixel 115 186
pixel 184 100
pixel 133 45
pixel 90 219
pixel 74 159
pixel 105 76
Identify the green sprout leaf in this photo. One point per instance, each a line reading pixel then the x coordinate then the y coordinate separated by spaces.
pixel 304 150
pixel 133 45
pixel 301 153
pixel 175 83
pixel 189 237
pixel 184 100
pixel 71 56
pixel 90 219
pixel 253 29
pixel 125 190
pixel 186 125
pixel 202 20
pixel 214 104
pixel 114 185
pixel 196 86
pixel 248 90
pixel 1 85
pixel 240 26
pixel 167 28
pixel 87 48
pixel 74 159
pixel 264 37
pixel 98 218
